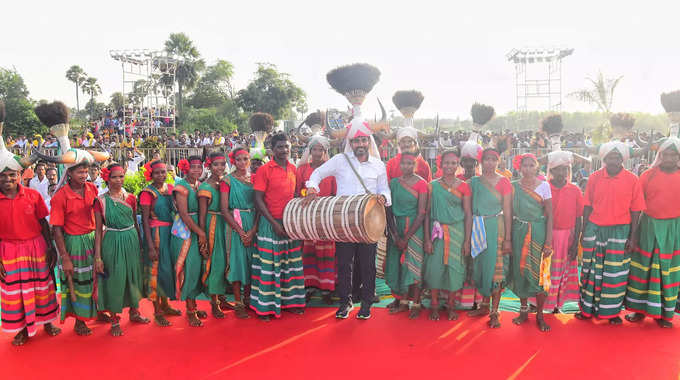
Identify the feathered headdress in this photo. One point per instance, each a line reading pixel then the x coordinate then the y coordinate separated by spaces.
pixel 261 124
pixel 354 82
pixel 552 126
pixel 622 124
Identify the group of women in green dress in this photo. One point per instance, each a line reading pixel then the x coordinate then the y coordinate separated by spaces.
pixel 194 240
pixel 485 230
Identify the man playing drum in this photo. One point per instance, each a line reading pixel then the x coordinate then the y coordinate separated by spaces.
pixel 366 174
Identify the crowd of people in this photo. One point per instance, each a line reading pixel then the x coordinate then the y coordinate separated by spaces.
pixel 458 233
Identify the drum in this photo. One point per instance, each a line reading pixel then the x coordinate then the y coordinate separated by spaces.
pixel 351 219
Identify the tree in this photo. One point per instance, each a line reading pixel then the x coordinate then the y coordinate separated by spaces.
pixel 190 65
pixel 272 92
pixel 76 75
pixel 117 101
pixel 601 94
pixel 20 118
pixel 92 88
pixel 214 88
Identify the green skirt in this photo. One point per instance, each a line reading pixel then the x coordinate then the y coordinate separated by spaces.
pixel 159 276
pixel 240 256
pixel 604 273
pixel 524 279
pixel 278 280
pixel 655 269
pixel 214 277
pixel 189 266
pixel 403 269
pixel 491 267
pixel 445 267
pixel 81 249
pixel 121 286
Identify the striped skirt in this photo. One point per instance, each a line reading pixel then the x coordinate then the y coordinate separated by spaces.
pixel 81 249
pixel 318 258
pixel 277 279
pixel 655 269
pixel 563 273
pixel 604 274
pixel 28 291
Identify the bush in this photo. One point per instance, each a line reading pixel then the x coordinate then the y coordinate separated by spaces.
pixel 206 120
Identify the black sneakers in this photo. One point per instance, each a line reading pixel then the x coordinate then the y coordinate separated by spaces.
pixel 344 310
pixel 364 312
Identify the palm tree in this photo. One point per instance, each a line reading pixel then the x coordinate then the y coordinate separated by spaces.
pixel 76 75
pixel 601 94
pixel 190 64
pixel 91 87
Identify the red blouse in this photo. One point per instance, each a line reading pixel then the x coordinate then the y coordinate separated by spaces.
pixel 327 186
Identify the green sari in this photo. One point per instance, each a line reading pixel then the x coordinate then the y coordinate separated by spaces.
pixel 159 276
pixel 215 267
pixel 122 285
pixel 528 238
pixel 445 267
pixel 241 198
pixel 490 267
pixel 190 264
pixel 403 269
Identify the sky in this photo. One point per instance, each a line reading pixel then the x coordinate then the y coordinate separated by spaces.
pixel 453 52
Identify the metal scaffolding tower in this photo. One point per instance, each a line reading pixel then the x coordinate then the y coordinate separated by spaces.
pixel 538 77
pixel 148 87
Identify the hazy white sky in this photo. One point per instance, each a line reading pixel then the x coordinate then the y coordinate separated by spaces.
pixel 454 53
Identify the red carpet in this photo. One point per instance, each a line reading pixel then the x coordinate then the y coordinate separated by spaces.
pixel 316 346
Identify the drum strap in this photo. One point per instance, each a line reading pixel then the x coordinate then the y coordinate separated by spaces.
pixel 356 173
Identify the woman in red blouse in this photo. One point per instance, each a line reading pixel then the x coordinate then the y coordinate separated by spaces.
pixel 318 257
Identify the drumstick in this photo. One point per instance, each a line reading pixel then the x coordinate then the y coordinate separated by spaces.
pixel 72 293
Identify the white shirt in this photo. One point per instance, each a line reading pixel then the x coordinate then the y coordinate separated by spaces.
pixel 206 141
pixel 41 186
pixel 372 171
pixel 133 164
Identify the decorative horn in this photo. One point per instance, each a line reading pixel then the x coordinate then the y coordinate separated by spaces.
pixel 381 124
pixel 66 158
pixel 100 156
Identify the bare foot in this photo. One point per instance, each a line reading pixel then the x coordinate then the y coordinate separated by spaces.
pixel 116 330
pixel 493 323
pixel 664 324
pixel 193 318
pixel 202 314
pixel 523 317
pixel 21 338
pixel 393 305
pixel 434 313
pixel 635 317
pixel 452 314
pixel 399 309
pixel 81 329
pixel 615 321
pixel 241 312
pixel 161 321
pixel 414 313
pixel 580 316
pixel 216 311
pixel 52 330
pixel 136 317
pixel 544 327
